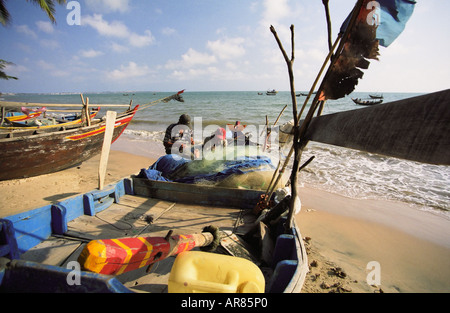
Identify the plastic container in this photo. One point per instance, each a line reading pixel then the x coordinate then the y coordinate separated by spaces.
pixel 196 271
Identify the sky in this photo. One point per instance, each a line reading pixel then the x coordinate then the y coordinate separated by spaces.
pixel 206 45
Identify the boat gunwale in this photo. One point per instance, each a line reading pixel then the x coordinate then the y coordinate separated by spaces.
pixel 36 133
pixel 125 186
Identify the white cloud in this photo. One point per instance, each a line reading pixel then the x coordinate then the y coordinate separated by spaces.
pixel 108 6
pixel 168 31
pixel 274 11
pixel 15 69
pixel 191 59
pixel 90 53
pixel 195 64
pixel 118 30
pixel 129 71
pixel 45 27
pixel 48 43
pixel 24 29
pixel 104 28
pixel 119 48
pixel 229 48
pixel 141 40
pixel 52 69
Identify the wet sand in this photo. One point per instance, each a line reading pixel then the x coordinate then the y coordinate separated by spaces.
pixel 411 247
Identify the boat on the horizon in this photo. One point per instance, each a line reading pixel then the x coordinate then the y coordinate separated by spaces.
pixel 376 96
pixel 367 102
pixel 272 92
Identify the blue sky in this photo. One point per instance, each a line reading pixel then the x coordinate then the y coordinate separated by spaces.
pixel 207 45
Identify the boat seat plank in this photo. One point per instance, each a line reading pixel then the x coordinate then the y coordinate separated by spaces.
pixel 127 218
pixel 188 219
pixel 53 251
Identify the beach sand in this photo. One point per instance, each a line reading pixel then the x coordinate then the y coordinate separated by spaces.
pixel 411 247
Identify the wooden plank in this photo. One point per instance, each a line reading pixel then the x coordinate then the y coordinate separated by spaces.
pixel 127 218
pixel 109 128
pixel 197 194
pixel 62 105
pixel 53 251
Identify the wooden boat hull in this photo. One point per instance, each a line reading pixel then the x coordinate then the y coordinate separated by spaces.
pixel 47 240
pixel 48 152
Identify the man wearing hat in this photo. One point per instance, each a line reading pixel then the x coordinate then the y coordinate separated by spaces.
pixel 180 132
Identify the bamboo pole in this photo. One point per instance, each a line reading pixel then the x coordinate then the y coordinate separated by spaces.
pixel 327 15
pixel 86 111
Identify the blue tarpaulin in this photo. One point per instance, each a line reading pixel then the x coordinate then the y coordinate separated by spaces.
pixel 164 168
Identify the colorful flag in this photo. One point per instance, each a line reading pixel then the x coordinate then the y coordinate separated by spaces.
pixel 376 23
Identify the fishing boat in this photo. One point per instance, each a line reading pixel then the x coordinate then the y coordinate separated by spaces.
pixel 153 236
pixel 49 122
pixel 16 116
pixel 35 152
pixel 367 102
pixel 272 92
pixel 376 96
pixel 123 238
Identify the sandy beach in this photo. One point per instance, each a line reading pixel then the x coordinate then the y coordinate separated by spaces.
pixel 410 247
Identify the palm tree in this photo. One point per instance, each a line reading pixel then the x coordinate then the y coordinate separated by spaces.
pixel 48 6
pixel 3 75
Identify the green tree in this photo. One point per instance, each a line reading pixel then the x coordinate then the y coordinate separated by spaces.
pixel 3 75
pixel 48 6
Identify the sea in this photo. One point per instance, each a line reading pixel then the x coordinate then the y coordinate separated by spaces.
pixel 347 172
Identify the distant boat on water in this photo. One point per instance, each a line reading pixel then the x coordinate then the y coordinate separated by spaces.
pixel 367 102
pixel 272 92
pixel 376 96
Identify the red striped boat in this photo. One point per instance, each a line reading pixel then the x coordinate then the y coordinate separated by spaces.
pixel 35 152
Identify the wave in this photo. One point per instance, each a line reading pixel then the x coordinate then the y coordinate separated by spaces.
pixel 362 175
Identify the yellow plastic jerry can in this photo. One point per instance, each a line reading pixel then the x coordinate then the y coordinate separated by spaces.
pixel 196 271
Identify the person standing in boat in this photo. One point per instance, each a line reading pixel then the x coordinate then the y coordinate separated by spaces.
pixel 238 136
pixel 218 139
pixel 179 135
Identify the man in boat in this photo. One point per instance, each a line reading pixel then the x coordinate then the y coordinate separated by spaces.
pixel 238 136
pixel 215 140
pixel 179 133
